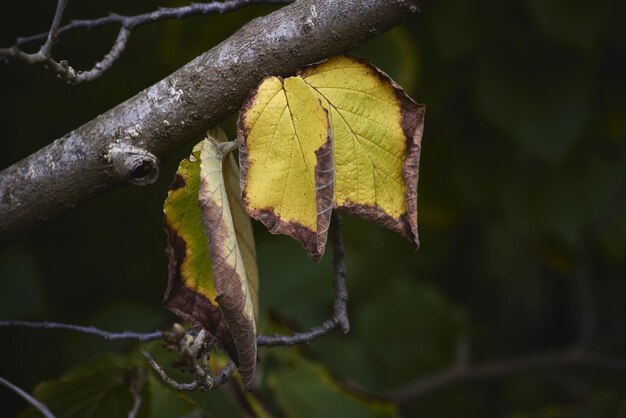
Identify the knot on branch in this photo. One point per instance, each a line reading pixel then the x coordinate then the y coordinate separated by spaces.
pixel 135 165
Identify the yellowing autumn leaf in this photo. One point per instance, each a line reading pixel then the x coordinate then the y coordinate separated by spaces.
pixel 234 288
pixel 190 292
pixel 213 279
pixel 286 160
pixel 377 131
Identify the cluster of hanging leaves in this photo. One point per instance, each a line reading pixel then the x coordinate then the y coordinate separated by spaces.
pixel 340 134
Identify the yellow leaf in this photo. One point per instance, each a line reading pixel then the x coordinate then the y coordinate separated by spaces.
pixel 377 130
pixel 228 231
pixel 286 159
pixel 190 290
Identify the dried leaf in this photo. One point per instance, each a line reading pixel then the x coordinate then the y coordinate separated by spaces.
pixel 213 273
pixel 234 291
pixel 190 292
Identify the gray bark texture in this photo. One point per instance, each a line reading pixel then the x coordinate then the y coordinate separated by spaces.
pixel 123 145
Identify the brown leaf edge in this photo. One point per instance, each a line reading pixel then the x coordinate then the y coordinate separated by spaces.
pixel 412 123
pixel 187 304
pixel 313 242
pixel 230 297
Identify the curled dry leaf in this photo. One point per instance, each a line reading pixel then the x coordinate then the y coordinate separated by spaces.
pixel 234 288
pixel 213 277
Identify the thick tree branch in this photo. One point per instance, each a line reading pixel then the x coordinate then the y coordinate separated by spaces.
pixel 182 107
pixel 340 313
pixel 40 406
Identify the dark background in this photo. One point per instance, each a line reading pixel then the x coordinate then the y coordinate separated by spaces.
pixel 522 204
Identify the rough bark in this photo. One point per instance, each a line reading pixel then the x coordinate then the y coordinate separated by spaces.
pixel 123 145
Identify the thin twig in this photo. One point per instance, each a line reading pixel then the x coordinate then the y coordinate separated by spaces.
pixel 54 28
pixel 127 23
pixel 173 383
pixel 111 336
pixel 40 406
pixel 73 77
pixel 340 315
pixel 577 356
pixel 207 384
pixel 135 389
pixel 163 13
pixel 499 368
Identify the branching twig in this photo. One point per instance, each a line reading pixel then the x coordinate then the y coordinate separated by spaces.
pixel 127 23
pixel 577 356
pixel 173 383
pixel 40 406
pixel 204 381
pixel 340 315
pixel 111 336
pixel 54 28
pixel 499 368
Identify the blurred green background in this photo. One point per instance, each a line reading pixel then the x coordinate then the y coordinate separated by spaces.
pixel 522 218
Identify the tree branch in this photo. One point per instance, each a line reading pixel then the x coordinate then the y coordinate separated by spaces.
pixel 340 314
pixel 180 108
pixel 40 406
pixel 53 33
pixel 338 320
pixel 163 13
pixel 499 368
pixel 127 23
pixel 577 356
pixel 111 336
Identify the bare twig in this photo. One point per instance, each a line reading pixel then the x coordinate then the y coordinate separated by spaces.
pixel 340 315
pixel 577 356
pixel 163 13
pixel 111 336
pixel 204 380
pixel 54 28
pixel 135 389
pixel 127 23
pixel 173 383
pixel 40 406
pixel 499 368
